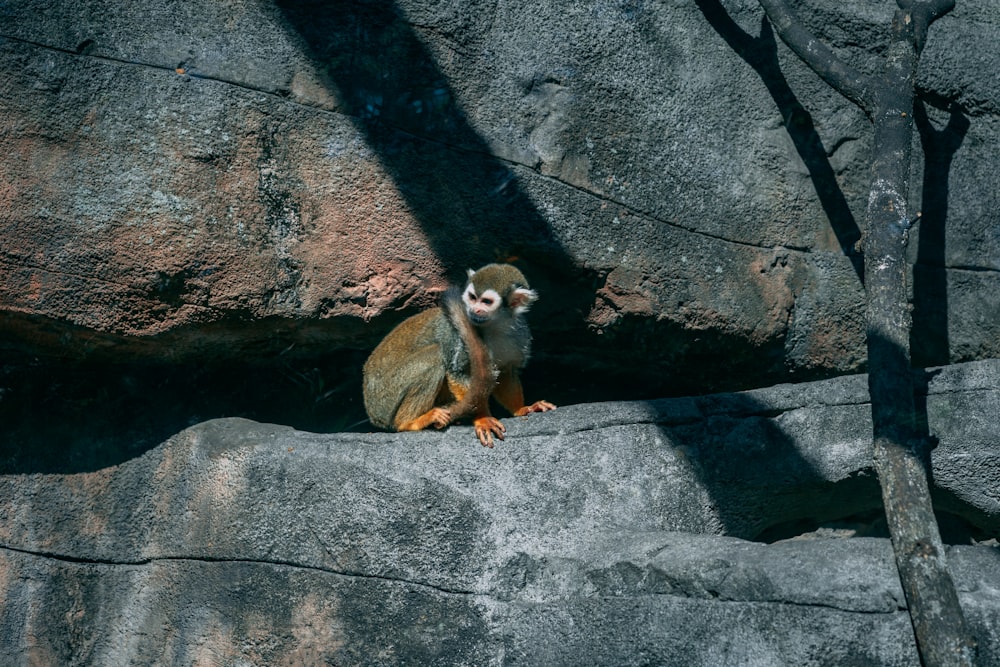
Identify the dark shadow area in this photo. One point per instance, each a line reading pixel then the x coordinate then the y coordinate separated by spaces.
pixel 921 385
pixel 760 482
pixel 761 53
pixel 954 528
pixel 69 418
pixel 869 523
pixel 929 342
pixel 468 202
pixel 652 359
pixel 62 416
pixel 767 463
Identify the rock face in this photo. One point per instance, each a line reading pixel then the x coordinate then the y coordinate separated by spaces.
pixel 598 534
pixel 228 179
pixel 254 182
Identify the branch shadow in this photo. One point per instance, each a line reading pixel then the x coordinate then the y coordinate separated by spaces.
pixel 761 53
pixel 471 205
pixel 791 461
pixel 766 480
pixel 929 335
pixel 468 202
pixel 929 340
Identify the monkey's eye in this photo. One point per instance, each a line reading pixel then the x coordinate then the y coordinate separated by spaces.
pixel 487 301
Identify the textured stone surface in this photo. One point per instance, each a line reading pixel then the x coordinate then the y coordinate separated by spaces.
pixel 258 181
pixel 598 534
pixel 218 179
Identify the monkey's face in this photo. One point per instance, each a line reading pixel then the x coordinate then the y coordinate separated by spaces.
pixel 481 307
pixel 496 295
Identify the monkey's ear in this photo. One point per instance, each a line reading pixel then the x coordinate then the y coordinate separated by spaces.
pixel 470 272
pixel 521 299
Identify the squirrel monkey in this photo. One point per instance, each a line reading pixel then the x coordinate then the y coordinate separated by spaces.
pixel 445 363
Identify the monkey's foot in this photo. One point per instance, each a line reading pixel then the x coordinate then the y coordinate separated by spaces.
pixel 537 406
pixel 486 428
pixel 436 417
pixel 439 417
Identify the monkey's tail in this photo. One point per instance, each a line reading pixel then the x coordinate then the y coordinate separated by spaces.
pixel 482 375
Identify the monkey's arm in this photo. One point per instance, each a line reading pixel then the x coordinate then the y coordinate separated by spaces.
pixel 510 395
pixel 485 424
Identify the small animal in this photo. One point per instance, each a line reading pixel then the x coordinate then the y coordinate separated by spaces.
pixel 445 363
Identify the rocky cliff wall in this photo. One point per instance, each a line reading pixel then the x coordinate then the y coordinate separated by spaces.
pixel 614 533
pixel 227 180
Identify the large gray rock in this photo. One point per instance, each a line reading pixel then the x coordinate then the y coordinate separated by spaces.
pixel 595 534
pixel 221 179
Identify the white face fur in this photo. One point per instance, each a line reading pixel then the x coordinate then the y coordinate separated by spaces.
pixel 483 307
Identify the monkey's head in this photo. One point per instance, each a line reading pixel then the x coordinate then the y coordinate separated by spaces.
pixel 496 290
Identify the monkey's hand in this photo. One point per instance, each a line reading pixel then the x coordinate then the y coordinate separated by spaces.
pixel 486 428
pixel 537 406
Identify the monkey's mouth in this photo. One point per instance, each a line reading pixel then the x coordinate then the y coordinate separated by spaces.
pixel 478 320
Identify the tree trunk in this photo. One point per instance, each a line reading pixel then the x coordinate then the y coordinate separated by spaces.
pixel 899 453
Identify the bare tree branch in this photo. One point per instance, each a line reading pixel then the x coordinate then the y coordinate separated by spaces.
pixel 924 13
pixel 848 81
pixel 941 632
